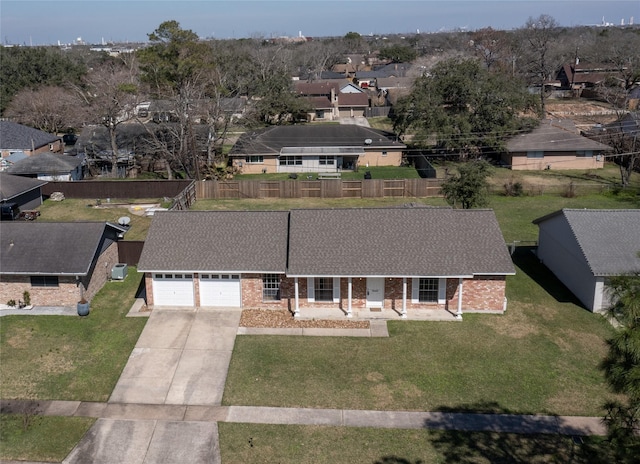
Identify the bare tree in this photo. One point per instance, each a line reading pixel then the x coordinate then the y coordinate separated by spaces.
pixel 542 58
pixel 109 98
pixel 50 109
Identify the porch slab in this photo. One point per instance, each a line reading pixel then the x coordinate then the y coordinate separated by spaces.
pixel 368 315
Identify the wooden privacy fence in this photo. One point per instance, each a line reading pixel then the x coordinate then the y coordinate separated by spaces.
pixel 323 188
pixel 129 251
pixel 182 192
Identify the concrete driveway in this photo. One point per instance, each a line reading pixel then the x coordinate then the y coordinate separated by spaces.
pixel 181 358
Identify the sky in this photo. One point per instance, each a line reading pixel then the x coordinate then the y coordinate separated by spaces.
pixel 42 22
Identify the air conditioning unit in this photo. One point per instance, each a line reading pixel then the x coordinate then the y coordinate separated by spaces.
pixel 119 272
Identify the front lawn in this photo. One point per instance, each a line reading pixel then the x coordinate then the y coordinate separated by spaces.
pixel 46 438
pixel 293 444
pixel 70 357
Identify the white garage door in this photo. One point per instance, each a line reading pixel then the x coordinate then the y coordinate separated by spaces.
pixel 173 290
pixel 220 290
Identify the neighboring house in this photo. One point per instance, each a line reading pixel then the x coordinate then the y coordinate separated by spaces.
pixel 56 262
pixel 329 102
pixel 49 166
pixel 315 148
pixel 555 144
pixel 13 158
pixel 585 75
pixel 16 137
pixel 390 260
pixel 25 192
pixel 584 247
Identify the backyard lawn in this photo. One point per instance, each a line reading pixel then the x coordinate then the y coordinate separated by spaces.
pixel 377 172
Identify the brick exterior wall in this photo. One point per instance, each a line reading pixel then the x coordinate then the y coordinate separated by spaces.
pixel 148 287
pixel 478 294
pixel 68 292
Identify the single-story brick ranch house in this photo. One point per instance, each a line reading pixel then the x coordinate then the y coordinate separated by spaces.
pixel 389 260
pixel 56 262
pixel 584 247
pixel 555 144
pixel 315 148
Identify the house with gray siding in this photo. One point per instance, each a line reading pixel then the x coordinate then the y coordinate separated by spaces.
pixel 584 247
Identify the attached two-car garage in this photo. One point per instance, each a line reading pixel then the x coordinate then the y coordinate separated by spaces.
pixel 222 290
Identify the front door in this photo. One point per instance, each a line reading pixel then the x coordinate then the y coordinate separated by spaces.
pixel 375 292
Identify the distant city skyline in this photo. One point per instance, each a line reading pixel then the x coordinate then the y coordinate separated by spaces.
pixel 48 22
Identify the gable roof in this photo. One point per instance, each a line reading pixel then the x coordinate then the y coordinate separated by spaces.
pixel 609 239
pixel 14 136
pixel 400 242
pixel 12 186
pixel 317 88
pixel 49 248
pixel 46 163
pixel 232 241
pixel 273 139
pixel 550 136
pixel 353 99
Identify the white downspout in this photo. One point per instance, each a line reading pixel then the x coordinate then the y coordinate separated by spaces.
pixel 459 313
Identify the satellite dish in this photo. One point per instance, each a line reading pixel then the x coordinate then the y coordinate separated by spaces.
pixel 124 221
pixel 368 141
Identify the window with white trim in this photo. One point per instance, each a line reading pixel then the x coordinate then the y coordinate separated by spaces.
pixel 254 159
pixel 428 290
pixel 327 160
pixel 323 287
pixel 291 161
pixel 270 287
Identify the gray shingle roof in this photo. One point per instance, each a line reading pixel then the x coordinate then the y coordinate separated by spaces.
pixel 12 186
pixel 46 163
pixel 609 239
pixel 553 136
pixel 396 242
pixel 238 241
pixel 273 139
pixel 14 136
pixel 49 248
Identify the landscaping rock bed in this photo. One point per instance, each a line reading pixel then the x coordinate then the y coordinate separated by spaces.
pixel 271 318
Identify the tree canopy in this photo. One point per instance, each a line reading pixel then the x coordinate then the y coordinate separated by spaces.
pixel 468 189
pixel 461 106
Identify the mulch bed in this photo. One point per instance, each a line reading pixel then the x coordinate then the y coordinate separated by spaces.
pixel 272 318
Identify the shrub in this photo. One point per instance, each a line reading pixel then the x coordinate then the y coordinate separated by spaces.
pixel 513 189
pixel 26 298
pixel 570 191
pixel 11 303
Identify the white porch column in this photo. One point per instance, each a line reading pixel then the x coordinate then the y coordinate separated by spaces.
pixel 296 311
pixel 459 313
pixel 404 298
pixel 349 293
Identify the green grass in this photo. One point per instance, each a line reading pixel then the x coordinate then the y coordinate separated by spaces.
pixel 257 443
pixel 84 210
pixel 47 438
pixel 70 358
pixel 377 172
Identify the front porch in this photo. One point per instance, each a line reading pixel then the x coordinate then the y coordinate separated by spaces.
pixel 368 314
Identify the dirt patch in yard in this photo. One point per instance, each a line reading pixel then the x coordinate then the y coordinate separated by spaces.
pixel 283 319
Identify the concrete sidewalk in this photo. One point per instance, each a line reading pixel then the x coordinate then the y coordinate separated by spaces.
pixel 506 423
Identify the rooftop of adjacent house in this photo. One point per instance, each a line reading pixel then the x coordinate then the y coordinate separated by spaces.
pixel 46 163
pixel 273 139
pixel 12 186
pixel 14 136
pixel 554 136
pixel 238 241
pixel 401 242
pixel 49 248
pixel 609 239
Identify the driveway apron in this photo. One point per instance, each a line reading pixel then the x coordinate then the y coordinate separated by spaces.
pixel 181 358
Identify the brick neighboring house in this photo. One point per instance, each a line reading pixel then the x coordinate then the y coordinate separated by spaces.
pixel 16 137
pixel 56 262
pixel 391 261
pixel 315 148
pixel 584 247
pixel 555 144
pixel 331 100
